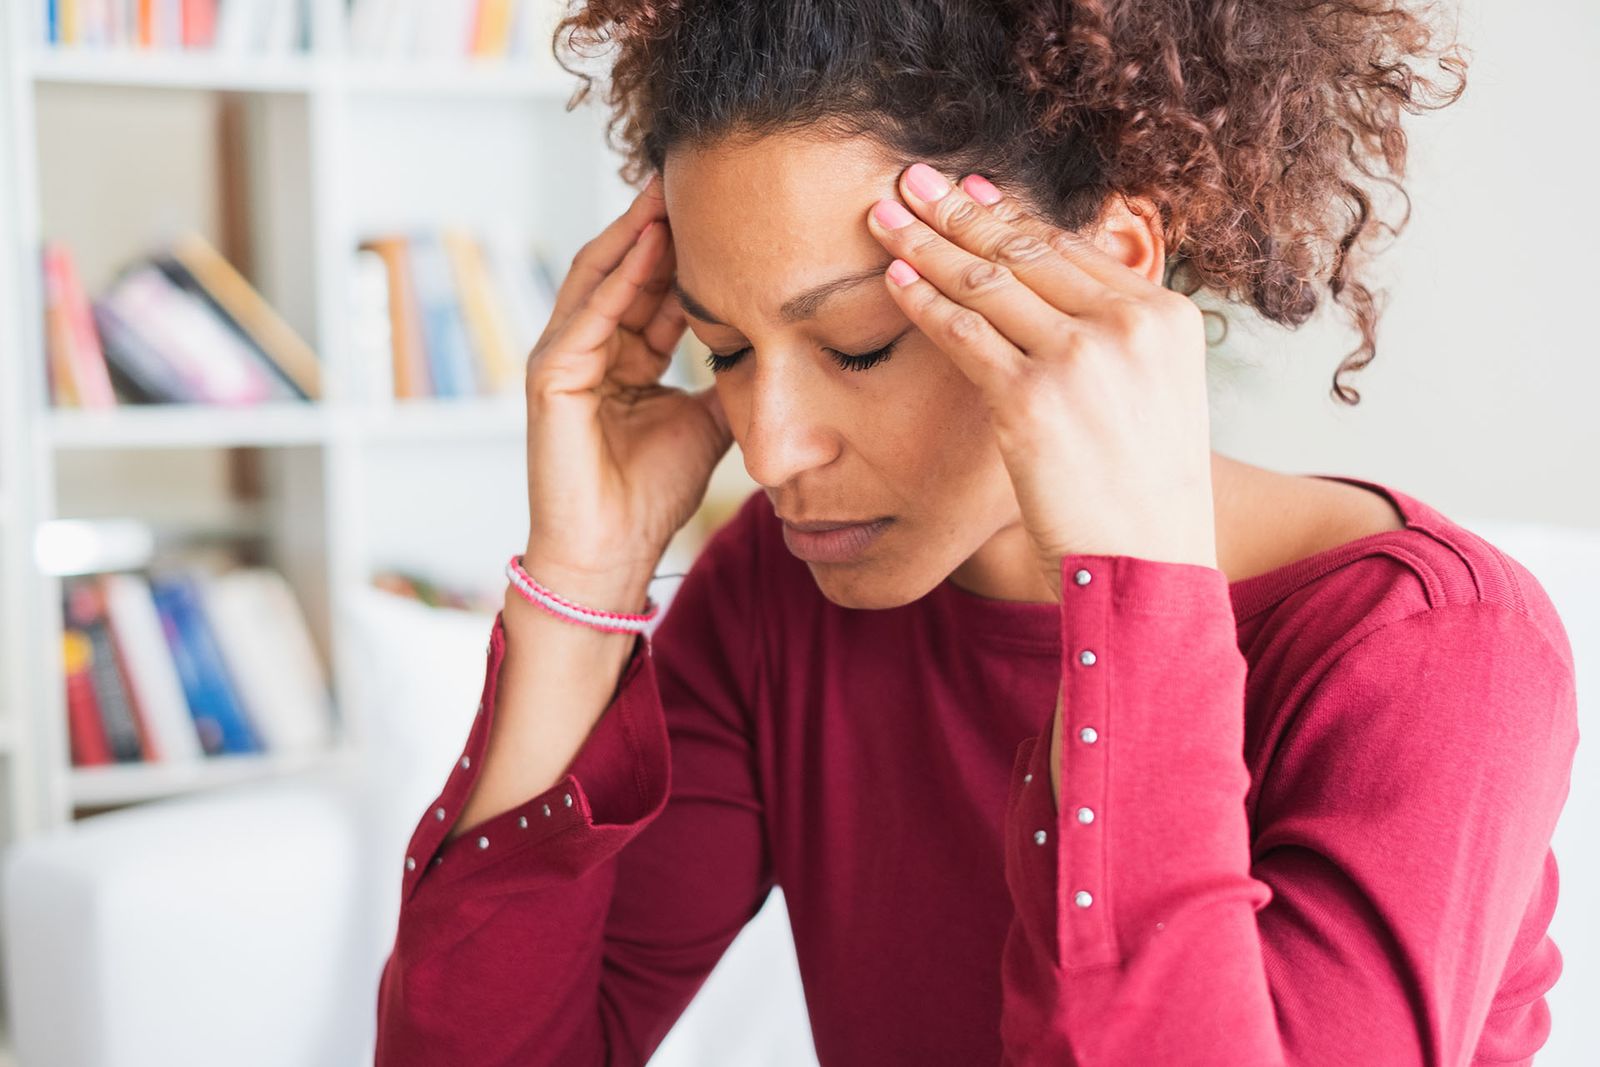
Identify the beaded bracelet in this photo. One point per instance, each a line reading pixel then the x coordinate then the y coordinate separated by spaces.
pixel 609 621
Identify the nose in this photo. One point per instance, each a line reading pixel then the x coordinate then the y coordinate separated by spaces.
pixel 787 427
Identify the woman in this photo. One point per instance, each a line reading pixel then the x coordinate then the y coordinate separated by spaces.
pixel 1077 742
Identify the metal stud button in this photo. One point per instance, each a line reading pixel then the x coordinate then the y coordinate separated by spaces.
pixel 1082 577
pixel 1026 778
pixel 411 863
pixel 567 798
pixel 522 821
pixel 1082 898
pixel 1088 735
pixel 1039 837
pixel 546 809
pixel 1086 658
pixel 438 813
pixel 483 842
pixel 1086 815
pixel 466 761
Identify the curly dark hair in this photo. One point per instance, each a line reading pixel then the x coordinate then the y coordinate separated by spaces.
pixel 1256 127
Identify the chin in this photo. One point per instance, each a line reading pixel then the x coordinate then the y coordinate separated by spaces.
pixel 865 588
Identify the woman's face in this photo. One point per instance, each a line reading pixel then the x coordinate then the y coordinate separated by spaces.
pixel 776 268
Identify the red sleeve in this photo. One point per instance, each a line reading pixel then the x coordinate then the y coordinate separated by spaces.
pixel 1367 913
pixel 574 928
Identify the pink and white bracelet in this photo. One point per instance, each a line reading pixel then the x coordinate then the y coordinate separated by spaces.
pixel 609 621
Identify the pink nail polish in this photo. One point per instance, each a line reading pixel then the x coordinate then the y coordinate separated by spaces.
pixel 981 189
pixel 902 273
pixel 891 214
pixel 925 182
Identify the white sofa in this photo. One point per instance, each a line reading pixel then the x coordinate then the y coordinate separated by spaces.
pixel 247 927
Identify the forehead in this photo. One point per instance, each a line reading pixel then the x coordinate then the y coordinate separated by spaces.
pixel 758 220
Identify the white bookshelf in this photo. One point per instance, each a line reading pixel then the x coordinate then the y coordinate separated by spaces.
pixel 338 147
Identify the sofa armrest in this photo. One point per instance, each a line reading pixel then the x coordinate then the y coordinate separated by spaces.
pixel 225 928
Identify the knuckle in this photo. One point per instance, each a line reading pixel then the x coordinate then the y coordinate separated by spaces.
pixel 1071 343
pixel 924 300
pixel 964 327
pixel 982 276
pixel 538 384
pixel 1131 317
pixel 1145 325
pixel 1014 214
pixel 1066 242
pixel 957 212
pixel 919 239
pixel 1019 248
pixel 1064 334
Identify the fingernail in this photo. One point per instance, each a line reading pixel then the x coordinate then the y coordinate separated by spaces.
pixel 891 214
pixel 925 182
pixel 981 189
pixel 902 272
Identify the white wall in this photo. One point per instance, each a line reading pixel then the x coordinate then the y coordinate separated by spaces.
pixel 1481 399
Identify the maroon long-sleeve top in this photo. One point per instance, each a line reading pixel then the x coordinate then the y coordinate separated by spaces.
pixel 1305 819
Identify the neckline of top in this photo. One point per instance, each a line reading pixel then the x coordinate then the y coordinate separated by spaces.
pixel 1033 624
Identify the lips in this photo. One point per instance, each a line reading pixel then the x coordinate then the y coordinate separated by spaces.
pixel 834 542
pixel 824 525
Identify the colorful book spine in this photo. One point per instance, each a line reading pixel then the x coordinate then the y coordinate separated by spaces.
pixel 218 711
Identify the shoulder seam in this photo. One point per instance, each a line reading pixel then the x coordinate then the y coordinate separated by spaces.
pixel 1423 569
pixel 1454 539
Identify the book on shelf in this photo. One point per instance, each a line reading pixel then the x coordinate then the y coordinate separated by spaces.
pixel 435 593
pixel 179 325
pixel 451 29
pixel 447 313
pixel 179 663
pixel 228 27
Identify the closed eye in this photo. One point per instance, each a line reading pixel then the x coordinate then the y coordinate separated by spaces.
pixel 862 361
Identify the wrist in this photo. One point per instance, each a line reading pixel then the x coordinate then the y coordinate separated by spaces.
pixel 621 589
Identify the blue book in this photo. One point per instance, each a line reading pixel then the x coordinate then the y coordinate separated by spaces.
pixel 443 326
pixel 214 700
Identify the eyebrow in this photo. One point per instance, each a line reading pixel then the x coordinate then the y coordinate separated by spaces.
pixel 800 306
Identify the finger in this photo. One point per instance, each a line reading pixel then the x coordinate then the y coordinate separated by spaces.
pixel 1078 249
pixel 601 254
pixel 1026 319
pixel 595 322
pixel 953 212
pixel 646 354
pixel 644 306
pixel 666 328
pixel 971 341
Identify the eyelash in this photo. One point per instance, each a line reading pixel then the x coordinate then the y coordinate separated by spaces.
pixel 865 361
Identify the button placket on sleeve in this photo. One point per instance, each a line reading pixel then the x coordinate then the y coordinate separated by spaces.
pixel 429 838
pixel 1085 930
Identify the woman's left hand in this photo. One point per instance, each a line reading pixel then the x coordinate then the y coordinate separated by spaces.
pixel 1093 374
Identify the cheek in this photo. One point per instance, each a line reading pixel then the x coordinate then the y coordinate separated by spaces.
pixel 935 429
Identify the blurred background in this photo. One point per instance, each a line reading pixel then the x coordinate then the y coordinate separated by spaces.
pixel 269 272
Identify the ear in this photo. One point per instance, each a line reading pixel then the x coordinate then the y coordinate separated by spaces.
pixel 1130 230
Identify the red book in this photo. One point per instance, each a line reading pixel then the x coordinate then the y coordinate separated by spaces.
pixel 85 732
pixel 199 23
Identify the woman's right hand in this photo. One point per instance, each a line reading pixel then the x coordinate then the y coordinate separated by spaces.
pixel 617 462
